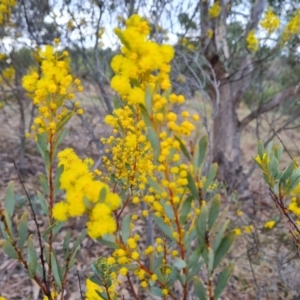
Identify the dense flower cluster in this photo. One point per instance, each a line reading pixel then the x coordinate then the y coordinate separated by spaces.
pixel 132 158
pixel 139 59
pixel 270 22
pixel 85 194
pixel 7 74
pixel 252 41
pixel 292 28
pixel 6 7
pixel 294 206
pixel 215 10
pixel 51 89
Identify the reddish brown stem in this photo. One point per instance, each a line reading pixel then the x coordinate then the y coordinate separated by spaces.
pixel 51 203
pixel 132 287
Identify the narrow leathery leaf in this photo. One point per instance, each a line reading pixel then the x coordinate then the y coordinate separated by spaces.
pixel 196 159
pixel 211 176
pixel 169 211
pixel 278 152
pixel 44 183
pixel 190 236
pixel 47 254
pixel 148 99
pixel 186 209
pixel 295 174
pixel 125 228
pixel 64 120
pixel 223 280
pixel 154 185
pixel 55 228
pixel 179 263
pixel 266 178
pixel 56 270
pixel 182 278
pixel 214 210
pixel 156 291
pixel 157 261
pixel 192 186
pixel 183 149
pixel 9 199
pixel 31 258
pixel 276 187
pixel 9 249
pixel 102 195
pixel 57 179
pixel 288 171
pixel 224 247
pixel 39 269
pixel 194 257
pixel 46 158
pixel 94 278
pixel 109 241
pixel 116 102
pixel 102 295
pixel 23 230
pixel 66 244
pixel 60 138
pixel 79 239
pixel 154 141
pixel 194 270
pixel 4 233
pixel 42 140
pixel 220 234
pixel 8 222
pixel 46 233
pixel 269 149
pixel 199 288
pixel 260 149
pixel 58 227
pixel 87 203
pixel 42 143
pixel 43 203
pixel 274 167
pixel 173 276
pixel 163 227
pixel 210 260
pixel 146 116
pixel 201 224
pixel 159 274
pixel 200 155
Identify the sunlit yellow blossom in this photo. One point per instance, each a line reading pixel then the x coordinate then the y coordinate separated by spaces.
pixel 270 224
pixel 215 10
pixel 249 229
pixel 237 231
pixel 91 289
pixel 252 41
pixel 270 22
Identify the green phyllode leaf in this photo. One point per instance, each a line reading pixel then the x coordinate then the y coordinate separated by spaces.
pixel 9 199
pixel 223 280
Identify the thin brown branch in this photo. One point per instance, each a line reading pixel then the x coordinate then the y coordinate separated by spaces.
pixel 80 289
pixel 274 102
pixel 37 227
pixel 132 287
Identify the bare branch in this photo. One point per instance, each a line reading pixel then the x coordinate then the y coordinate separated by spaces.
pixel 274 102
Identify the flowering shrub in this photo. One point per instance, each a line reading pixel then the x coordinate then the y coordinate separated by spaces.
pixel 155 158
pixel 284 186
